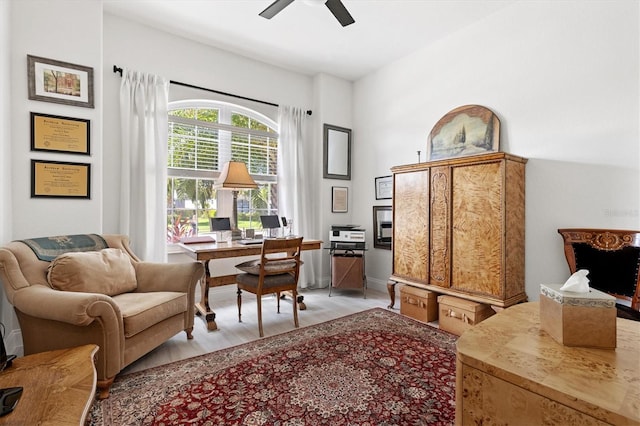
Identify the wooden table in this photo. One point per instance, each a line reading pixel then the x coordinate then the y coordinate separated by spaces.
pixel 204 252
pixel 509 371
pixel 59 387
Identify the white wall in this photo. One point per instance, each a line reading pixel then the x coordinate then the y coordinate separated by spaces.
pixel 5 119
pixel 47 29
pixel 7 317
pixel 563 77
pixel 333 105
pixel 44 28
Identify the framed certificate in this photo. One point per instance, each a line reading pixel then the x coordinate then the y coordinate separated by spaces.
pixel 60 134
pixel 384 187
pixel 55 179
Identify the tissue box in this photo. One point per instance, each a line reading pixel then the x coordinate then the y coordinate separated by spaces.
pixel 578 319
pixel 418 303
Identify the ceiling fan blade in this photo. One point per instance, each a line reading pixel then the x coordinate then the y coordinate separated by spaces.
pixel 340 12
pixel 274 8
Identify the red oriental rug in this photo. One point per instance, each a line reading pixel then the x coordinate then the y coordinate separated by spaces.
pixel 371 368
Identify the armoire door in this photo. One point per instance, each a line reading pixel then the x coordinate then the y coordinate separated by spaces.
pixel 477 228
pixel 411 225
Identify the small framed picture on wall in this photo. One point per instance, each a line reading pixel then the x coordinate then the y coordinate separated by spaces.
pixel 384 187
pixel 339 199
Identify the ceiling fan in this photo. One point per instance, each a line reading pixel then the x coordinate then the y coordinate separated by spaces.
pixel 335 6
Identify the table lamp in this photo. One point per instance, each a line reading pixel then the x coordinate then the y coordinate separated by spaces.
pixel 235 177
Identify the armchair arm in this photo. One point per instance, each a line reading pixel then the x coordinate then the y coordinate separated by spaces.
pixel 52 319
pixel 180 277
pixel 11 274
pixel 75 308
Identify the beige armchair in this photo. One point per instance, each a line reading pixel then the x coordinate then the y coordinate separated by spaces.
pixel 67 300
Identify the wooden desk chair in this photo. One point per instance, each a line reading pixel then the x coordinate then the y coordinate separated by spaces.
pixel 612 258
pixel 276 272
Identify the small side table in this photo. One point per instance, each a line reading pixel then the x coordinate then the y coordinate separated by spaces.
pixel 59 386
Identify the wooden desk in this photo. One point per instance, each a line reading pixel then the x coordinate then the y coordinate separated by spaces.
pixel 59 387
pixel 509 371
pixel 204 252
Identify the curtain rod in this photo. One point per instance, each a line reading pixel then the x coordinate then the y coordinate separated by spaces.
pixel 118 70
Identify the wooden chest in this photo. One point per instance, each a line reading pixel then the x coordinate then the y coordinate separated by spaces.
pixel 457 315
pixel 418 303
pixel 508 372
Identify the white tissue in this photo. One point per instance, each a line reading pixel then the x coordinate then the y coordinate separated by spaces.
pixel 577 283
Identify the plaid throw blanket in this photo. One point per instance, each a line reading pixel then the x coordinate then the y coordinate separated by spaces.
pixel 48 248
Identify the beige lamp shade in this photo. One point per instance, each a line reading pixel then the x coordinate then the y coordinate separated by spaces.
pixel 235 177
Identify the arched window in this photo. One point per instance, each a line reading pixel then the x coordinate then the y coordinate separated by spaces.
pixel 203 136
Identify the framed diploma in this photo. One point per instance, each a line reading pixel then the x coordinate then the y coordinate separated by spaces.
pixel 60 134
pixel 384 187
pixel 60 180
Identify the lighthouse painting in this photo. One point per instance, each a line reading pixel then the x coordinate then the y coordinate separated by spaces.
pixel 466 130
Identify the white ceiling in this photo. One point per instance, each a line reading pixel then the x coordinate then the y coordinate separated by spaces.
pixel 305 36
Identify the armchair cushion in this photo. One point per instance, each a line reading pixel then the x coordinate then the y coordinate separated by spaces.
pixel 108 271
pixel 143 310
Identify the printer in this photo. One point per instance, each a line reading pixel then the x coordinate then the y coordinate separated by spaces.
pixel 347 236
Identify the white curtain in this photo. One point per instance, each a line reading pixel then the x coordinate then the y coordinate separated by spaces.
pixel 144 101
pixel 296 169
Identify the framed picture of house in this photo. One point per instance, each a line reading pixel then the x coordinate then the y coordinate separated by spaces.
pixel 59 82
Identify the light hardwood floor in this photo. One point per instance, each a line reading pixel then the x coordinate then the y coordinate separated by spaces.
pixel 320 308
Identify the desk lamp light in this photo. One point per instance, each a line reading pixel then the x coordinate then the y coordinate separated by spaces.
pixel 235 177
